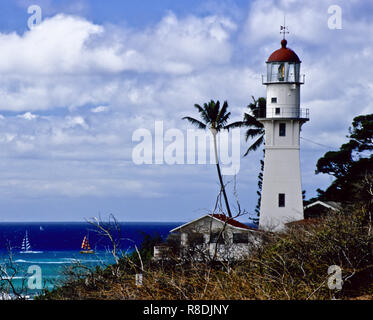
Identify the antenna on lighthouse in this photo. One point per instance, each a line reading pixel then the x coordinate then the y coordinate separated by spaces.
pixel 284 29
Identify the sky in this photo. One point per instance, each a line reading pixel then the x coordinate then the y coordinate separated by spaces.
pixel 75 88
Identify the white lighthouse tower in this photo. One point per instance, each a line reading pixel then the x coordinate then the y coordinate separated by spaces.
pixel 281 200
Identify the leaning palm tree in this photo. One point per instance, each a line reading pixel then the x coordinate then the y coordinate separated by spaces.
pixel 255 128
pixel 213 118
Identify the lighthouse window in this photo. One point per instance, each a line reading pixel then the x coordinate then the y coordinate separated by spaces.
pixel 274 100
pixel 291 76
pixel 278 111
pixel 282 129
pixel 281 200
pixel 281 72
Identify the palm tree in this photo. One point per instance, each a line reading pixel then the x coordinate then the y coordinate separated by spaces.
pixel 213 118
pixel 255 128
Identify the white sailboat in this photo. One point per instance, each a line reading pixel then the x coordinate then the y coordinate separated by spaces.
pixel 26 246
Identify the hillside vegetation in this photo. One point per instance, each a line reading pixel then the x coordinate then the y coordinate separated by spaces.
pixel 289 265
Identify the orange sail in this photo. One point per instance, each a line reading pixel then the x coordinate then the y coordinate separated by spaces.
pixel 85 246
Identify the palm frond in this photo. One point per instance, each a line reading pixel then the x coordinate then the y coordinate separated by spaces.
pixel 237 124
pixel 252 133
pixel 199 108
pixel 208 110
pixel 205 117
pixel 222 121
pixel 261 102
pixel 215 107
pixel 195 122
pixel 251 121
pixel 255 145
pixel 223 111
pixel 255 127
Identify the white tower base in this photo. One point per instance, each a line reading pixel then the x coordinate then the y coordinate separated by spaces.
pixel 281 200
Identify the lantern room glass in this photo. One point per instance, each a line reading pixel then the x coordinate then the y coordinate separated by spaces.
pixel 283 72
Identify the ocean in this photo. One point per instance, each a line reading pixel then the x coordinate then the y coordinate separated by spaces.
pixel 55 246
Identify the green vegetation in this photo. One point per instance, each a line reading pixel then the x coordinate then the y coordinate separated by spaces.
pixel 349 164
pixel 289 265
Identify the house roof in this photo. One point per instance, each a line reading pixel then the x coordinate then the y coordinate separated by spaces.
pixel 303 222
pixel 232 222
pixel 327 204
pixel 220 217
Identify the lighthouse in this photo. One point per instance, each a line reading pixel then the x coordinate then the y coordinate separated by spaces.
pixel 281 200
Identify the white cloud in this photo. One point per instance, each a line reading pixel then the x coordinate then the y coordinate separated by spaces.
pixel 28 116
pixel 67 61
pixel 56 45
pixel 75 188
pixel 76 121
pixel 306 22
pixel 158 73
pixel 72 45
pixel 100 109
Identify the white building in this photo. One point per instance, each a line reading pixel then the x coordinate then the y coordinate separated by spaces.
pixel 213 237
pixel 321 208
pixel 283 118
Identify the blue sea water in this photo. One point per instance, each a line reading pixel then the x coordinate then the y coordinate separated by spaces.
pixel 55 246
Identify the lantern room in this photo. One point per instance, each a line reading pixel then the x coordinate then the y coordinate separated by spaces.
pixel 283 66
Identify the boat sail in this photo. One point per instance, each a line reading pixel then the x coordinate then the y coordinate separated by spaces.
pixel 85 246
pixel 26 247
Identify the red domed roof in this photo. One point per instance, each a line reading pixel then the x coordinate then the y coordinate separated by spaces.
pixel 284 54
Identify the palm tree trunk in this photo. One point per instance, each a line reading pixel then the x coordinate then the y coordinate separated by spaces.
pixel 219 174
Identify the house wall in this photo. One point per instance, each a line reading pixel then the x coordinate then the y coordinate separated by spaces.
pixel 316 211
pixel 227 251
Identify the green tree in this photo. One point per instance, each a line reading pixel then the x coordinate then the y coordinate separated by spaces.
pixel 350 164
pixel 214 118
pixel 361 133
pixel 146 249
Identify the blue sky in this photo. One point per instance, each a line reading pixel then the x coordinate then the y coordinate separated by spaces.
pixel 74 89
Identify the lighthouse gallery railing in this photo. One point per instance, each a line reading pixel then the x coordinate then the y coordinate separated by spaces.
pixel 301 113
